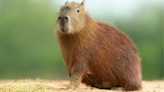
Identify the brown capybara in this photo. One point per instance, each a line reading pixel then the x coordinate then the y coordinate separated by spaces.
pixel 96 53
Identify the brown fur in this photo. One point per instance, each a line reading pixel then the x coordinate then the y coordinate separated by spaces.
pixel 101 56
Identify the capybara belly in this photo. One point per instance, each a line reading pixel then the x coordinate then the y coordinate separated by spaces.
pixel 102 83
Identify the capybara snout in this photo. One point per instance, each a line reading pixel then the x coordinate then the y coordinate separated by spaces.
pixel 63 22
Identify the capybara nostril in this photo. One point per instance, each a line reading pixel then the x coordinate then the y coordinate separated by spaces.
pixel 63 18
pixel 59 18
pixel 66 19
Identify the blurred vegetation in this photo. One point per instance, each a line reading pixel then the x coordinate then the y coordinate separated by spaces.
pixel 28 46
pixel 146 30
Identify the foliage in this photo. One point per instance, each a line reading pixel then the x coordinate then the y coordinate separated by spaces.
pixel 27 44
pixel 146 30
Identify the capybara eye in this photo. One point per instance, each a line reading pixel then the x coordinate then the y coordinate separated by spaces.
pixel 78 11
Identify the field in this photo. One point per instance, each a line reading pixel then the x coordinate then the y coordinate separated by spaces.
pixel 39 85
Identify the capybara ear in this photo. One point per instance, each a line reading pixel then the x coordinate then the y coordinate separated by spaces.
pixel 83 3
pixel 66 2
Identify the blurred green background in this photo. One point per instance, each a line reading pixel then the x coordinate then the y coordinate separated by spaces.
pixel 29 49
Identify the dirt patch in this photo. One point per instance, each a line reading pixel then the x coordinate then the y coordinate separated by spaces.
pixel 53 86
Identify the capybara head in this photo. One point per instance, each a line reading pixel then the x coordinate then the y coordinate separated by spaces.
pixel 71 17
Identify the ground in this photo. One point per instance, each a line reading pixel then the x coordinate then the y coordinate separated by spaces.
pixel 39 85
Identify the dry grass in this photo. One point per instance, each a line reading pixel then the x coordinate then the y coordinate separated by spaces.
pixel 38 85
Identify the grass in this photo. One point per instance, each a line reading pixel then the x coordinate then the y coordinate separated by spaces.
pixel 25 88
pixel 43 86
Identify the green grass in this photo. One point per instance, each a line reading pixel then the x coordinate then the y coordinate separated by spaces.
pixel 22 89
pixel 28 88
pixel 43 86
pixel 25 88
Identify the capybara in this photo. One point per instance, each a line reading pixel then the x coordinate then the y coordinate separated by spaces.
pixel 96 53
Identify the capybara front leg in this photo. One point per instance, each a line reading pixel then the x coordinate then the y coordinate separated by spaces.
pixel 77 73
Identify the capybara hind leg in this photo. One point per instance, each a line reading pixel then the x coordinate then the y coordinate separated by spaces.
pixel 131 87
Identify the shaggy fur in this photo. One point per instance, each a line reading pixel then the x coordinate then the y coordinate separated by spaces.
pixel 100 55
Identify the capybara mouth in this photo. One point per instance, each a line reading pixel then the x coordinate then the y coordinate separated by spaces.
pixel 64 30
